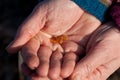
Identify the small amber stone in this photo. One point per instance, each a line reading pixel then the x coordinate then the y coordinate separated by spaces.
pixel 59 39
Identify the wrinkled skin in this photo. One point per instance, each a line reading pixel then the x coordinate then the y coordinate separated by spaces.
pixel 56 61
pixel 54 19
pixel 43 60
pixel 102 55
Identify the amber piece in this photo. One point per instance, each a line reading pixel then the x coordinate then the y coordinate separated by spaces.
pixel 59 39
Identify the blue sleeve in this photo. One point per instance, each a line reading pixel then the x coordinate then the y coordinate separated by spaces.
pixel 95 7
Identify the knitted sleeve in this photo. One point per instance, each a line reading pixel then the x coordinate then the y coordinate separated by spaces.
pixel 95 7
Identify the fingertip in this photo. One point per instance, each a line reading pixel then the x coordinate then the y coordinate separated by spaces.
pixel 53 76
pixel 32 62
pixel 13 47
pixel 9 48
pixel 29 54
pixel 54 73
pixel 12 50
pixel 64 73
pixel 42 71
pixel 68 64
pixel 17 43
pixel 30 59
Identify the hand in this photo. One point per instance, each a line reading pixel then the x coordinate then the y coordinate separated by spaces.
pixel 102 55
pixel 73 47
pixel 54 17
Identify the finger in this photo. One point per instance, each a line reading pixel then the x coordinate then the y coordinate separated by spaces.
pixel 105 70
pixel 28 72
pixel 69 61
pixel 44 54
pixel 55 65
pixel 25 69
pixel 72 51
pixel 32 74
pixel 57 46
pixel 29 53
pixel 30 27
pixel 71 46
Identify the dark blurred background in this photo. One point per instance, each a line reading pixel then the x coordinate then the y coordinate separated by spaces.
pixel 12 13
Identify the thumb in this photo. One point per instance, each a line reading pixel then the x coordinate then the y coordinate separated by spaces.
pixel 30 27
pixel 101 51
pixel 97 56
pixel 105 70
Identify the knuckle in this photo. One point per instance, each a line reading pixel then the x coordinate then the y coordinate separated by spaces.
pixel 56 57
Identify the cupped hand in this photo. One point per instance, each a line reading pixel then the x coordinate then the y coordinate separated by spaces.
pixel 60 61
pixel 52 18
pixel 102 55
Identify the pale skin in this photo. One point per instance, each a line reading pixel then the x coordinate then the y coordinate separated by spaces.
pixel 102 55
pixel 51 19
pixel 101 60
